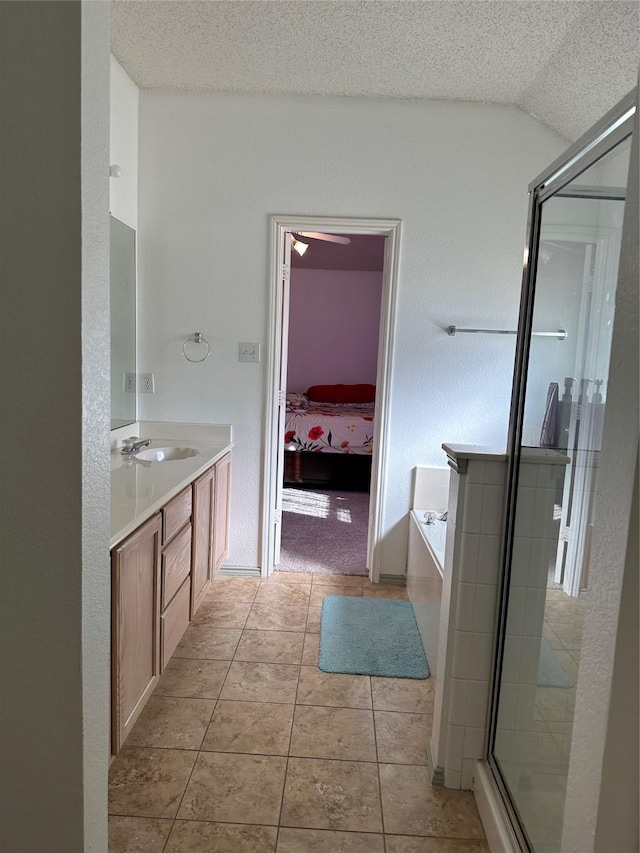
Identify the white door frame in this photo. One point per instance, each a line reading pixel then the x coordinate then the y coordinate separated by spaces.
pixel 389 228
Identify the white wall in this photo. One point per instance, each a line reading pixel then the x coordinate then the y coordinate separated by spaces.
pixel 334 326
pixel 124 145
pixel 213 168
pixel 55 613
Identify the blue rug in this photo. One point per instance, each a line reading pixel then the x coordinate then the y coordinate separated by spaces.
pixel 371 636
pixel 550 671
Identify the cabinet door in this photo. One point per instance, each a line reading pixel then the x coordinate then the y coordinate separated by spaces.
pixel 135 637
pixel 202 566
pixel 221 511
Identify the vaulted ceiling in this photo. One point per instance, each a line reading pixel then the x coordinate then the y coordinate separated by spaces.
pixel 566 62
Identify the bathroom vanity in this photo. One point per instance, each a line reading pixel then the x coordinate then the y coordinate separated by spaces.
pixel 170 529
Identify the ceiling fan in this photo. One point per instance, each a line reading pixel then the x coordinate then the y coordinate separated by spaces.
pixel 301 246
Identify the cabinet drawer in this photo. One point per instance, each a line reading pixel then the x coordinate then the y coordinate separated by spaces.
pixel 176 564
pixel 176 513
pixel 174 621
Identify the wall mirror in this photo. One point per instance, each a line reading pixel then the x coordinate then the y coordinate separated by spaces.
pixel 123 324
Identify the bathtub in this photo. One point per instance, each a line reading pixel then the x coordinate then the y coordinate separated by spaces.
pixel 425 569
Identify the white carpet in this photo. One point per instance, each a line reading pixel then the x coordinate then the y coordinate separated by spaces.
pixel 324 531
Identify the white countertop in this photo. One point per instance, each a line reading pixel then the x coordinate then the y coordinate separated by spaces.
pixel 139 489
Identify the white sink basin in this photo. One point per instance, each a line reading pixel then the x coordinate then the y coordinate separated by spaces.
pixel 166 454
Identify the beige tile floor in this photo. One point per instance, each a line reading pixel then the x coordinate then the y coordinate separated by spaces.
pixel 247 747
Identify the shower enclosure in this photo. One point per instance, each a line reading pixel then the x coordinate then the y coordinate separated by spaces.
pixel 558 405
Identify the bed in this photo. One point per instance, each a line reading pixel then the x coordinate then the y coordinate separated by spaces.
pixel 324 423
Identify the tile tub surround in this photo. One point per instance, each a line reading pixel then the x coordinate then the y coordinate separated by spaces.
pixel 138 490
pixel 467 612
pixel 279 757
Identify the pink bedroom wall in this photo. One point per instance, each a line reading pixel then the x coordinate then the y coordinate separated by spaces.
pixel 334 320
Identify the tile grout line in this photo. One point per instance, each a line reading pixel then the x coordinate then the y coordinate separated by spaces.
pixel 375 735
pixel 202 741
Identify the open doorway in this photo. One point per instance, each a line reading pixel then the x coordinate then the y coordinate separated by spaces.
pixel 326 481
pixel 335 299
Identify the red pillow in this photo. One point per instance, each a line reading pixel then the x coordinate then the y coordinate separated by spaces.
pixel 342 393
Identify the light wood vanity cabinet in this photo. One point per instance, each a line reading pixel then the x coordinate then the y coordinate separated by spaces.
pixel 210 526
pixel 160 574
pixel 203 518
pixel 135 628
pixel 175 589
pixel 221 511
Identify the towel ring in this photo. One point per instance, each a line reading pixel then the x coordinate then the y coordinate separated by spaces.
pixel 196 339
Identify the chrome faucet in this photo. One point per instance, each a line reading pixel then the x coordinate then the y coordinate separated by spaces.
pixel 130 446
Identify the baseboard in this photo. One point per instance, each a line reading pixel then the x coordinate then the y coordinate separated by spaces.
pixel 436 773
pixel 394 580
pixel 497 827
pixel 239 572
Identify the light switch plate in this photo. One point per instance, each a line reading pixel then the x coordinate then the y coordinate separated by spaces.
pixel 249 351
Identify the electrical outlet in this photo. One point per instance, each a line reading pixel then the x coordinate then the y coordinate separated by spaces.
pixel 130 383
pixel 249 352
pixel 147 383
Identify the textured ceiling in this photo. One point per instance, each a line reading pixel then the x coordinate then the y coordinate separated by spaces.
pixel 565 61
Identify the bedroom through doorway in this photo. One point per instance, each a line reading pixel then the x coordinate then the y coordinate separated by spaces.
pixel 343 343
pixel 333 330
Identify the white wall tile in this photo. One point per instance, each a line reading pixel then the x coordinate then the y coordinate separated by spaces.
pixel 468 559
pixel 474 739
pixel 481 656
pixel 528 474
pixel 472 513
pixel 516 610
pixel 466 606
pixel 477 703
pixel 462 653
pixel 468 773
pixel 542 553
pixel 492 503
pixel 489 559
pixel 475 471
pixel 455 743
pixel 543 523
pixel 458 702
pixel 524 512
pixel 484 613
pixel 520 561
pixel 495 473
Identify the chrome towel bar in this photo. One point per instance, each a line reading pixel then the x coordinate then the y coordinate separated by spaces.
pixel 454 330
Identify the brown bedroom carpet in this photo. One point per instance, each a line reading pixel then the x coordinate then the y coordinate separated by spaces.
pixel 324 531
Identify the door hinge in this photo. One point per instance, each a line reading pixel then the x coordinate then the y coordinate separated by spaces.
pixel 277 516
pixel 280 398
pixel 286 271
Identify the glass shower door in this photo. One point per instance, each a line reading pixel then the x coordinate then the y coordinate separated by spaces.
pixel 556 433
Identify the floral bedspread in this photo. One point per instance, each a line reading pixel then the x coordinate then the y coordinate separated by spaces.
pixel 329 429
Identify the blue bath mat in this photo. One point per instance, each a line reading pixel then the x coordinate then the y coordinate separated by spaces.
pixel 550 671
pixel 371 636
